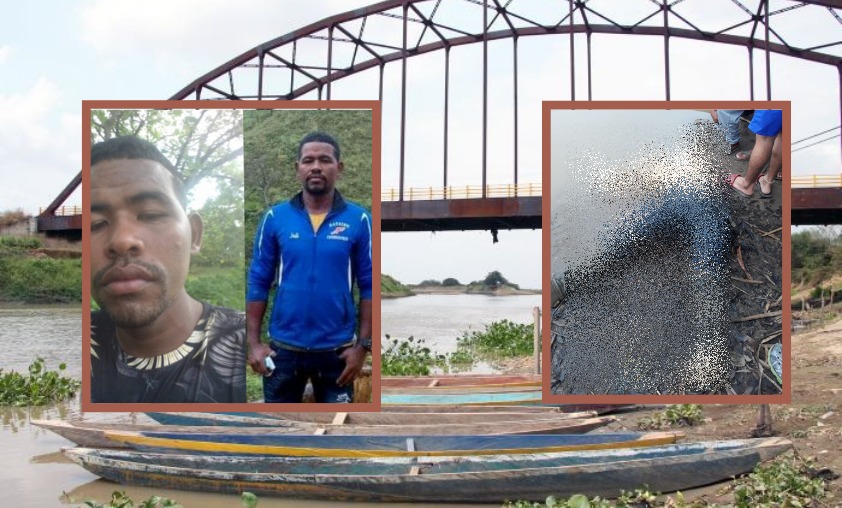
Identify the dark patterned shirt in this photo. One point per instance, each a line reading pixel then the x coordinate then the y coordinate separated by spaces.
pixel 209 367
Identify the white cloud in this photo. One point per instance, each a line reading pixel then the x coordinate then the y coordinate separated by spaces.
pixel 42 156
pixel 191 27
pixel 24 114
pixel 5 51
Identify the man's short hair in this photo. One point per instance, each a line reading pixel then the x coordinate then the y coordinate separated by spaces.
pixel 132 147
pixel 320 137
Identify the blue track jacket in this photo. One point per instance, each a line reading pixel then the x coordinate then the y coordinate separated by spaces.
pixel 313 308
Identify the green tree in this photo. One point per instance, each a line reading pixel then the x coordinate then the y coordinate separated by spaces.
pixel 450 281
pixel 495 279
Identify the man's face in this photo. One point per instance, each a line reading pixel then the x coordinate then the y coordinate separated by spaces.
pixel 317 168
pixel 141 240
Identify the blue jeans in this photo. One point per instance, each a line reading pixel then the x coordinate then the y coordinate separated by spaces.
pixel 293 368
pixel 729 120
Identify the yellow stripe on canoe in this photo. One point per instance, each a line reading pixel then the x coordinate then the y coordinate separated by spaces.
pixel 652 439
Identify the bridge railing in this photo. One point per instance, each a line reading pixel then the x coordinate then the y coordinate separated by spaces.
pixel 462 192
pixel 817 181
pixel 64 211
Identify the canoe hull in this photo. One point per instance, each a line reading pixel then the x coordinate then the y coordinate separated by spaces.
pixel 381 446
pixel 662 474
pixel 428 418
pixel 95 434
pixel 387 382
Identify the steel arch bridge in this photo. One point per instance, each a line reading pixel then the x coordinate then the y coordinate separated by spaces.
pixel 313 61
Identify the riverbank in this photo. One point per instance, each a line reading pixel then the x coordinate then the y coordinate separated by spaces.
pixel 459 290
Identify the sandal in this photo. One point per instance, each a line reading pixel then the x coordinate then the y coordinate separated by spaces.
pixel 743 156
pixel 730 179
pixel 765 195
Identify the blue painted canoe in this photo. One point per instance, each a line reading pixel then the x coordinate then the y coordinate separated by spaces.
pixel 491 479
pixel 479 398
pixel 461 380
pixel 267 419
pixel 380 446
pixel 93 434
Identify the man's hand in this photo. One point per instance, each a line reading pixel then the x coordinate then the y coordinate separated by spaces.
pixel 354 359
pixel 257 357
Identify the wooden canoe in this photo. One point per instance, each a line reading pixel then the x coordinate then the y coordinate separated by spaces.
pixel 491 479
pixel 469 380
pixel 389 423
pixel 94 434
pixel 396 418
pixel 381 446
pixel 467 389
pixel 477 408
pixel 468 399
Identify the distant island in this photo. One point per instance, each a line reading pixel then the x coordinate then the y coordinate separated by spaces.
pixel 494 284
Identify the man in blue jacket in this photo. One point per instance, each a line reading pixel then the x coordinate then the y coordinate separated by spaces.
pixel 318 244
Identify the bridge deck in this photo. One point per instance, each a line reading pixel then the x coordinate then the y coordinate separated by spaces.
pixel 461 214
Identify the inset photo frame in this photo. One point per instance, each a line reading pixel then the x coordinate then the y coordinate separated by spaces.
pixel 666 259
pixel 231 256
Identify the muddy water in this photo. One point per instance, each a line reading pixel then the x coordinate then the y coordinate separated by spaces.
pixel 33 472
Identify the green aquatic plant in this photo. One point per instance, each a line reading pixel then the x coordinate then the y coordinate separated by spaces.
pixel 408 358
pixel 500 339
pixel 119 499
pixel 679 415
pixel 40 387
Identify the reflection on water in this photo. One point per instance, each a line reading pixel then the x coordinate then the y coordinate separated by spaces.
pixel 33 472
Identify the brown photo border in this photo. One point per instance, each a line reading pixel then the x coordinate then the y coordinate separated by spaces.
pixel 785 397
pixel 376 124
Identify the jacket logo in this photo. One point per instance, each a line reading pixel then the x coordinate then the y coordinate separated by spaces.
pixel 338 229
pixel 294 236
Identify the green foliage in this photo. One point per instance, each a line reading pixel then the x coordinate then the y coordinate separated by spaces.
pixel 430 282
pixel 816 255
pixel 500 338
pixel 271 149
pixel 680 415
pixel 785 482
pixel 41 280
pixel 495 279
pixel 223 241
pixel 254 386
pixel 222 286
pixel 39 388
pixel 389 286
pixel 249 500
pixel 450 281
pixel 119 499
pixel 408 358
pixel 19 243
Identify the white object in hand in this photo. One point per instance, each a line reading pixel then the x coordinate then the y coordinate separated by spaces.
pixel 270 366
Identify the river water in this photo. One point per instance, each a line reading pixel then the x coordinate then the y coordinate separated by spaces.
pixel 35 474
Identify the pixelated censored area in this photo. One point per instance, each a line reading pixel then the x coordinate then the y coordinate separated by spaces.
pixel 640 238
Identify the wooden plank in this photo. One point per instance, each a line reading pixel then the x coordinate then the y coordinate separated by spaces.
pixel 340 418
pixel 433 383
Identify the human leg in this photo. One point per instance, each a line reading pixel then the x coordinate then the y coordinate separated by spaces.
pixel 325 369
pixel 775 164
pixel 286 384
pixel 729 120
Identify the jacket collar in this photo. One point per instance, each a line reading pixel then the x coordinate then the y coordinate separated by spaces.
pixel 337 206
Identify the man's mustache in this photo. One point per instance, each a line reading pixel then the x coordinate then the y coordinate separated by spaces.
pixel 122 263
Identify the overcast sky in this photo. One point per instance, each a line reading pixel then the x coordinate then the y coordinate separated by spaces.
pixel 54 54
